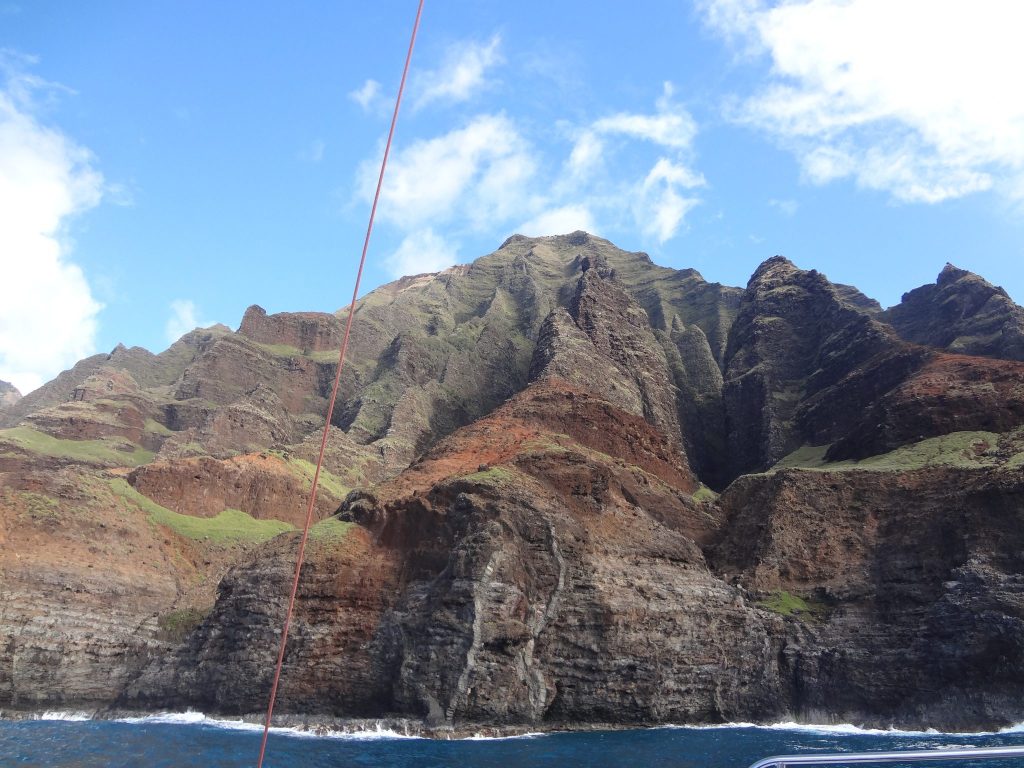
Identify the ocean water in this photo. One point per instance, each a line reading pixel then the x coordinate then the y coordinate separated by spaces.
pixel 176 741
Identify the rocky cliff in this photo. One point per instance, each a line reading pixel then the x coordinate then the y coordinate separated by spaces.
pixel 9 395
pixel 520 520
pixel 961 312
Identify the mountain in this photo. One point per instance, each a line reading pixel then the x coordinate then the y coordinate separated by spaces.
pixel 961 313
pixel 9 395
pixel 564 485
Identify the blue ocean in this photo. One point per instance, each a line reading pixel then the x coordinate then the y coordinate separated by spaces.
pixel 177 741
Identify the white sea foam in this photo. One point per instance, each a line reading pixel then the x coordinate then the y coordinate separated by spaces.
pixel 312 731
pixel 190 718
pixel 481 737
pixel 848 729
pixel 66 716
pixel 378 731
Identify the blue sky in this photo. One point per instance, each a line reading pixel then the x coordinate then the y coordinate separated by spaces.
pixel 166 164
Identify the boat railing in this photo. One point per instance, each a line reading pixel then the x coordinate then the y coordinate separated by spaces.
pixel 916 756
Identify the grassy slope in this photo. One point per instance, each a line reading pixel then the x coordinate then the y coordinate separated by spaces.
pixel 329 482
pixel 959 449
pixel 229 526
pixel 109 451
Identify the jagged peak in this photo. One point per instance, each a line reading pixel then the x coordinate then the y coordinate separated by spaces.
pixel 951 273
pixel 121 350
pixel 512 239
pixel 778 270
pixel 777 266
pixel 594 264
pixel 252 311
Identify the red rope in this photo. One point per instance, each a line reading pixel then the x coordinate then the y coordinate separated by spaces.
pixel 334 395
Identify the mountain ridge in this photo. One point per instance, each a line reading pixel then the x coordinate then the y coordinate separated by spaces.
pixel 563 485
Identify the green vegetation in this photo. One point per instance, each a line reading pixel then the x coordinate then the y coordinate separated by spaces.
pixel 102 411
pixel 704 494
pixel 37 506
pixel 805 457
pixel 188 450
pixel 287 350
pixel 378 400
pixel 958 449
pixel 788 604
pixel 492 475
pixel 109 451
pixel 229 526
pixel 175 626
pixel 157 428
pixel 328 481
pixel 547 444
pixel 331 529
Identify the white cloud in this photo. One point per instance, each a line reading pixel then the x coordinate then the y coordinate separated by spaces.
pixel 367 95
pixel 47 313
pixel 560 221
pixel 918 98
pixel 183 319
pixel 658 206
pixel 421 251
pixel 486 175
pixel 656 200
pixel 673 174
pixel 586 154
pixel 478 175
pixel 785 207
pixel 670 126
pixel 473 179
pixel 462 73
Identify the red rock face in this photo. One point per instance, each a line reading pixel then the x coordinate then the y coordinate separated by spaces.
pixel 306 331
pixel 231 368
pixel 261 485
pixel 83 580
pixel 547 415
pixel 122 418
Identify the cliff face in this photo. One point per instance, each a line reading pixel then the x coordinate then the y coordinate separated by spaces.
pixel 963 313
pixel 542 564
pixel 796 338
pixel 9 395
pixel 522 461
pixel 913 581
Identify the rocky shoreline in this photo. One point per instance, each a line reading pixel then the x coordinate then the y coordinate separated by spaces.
pixel 404 727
